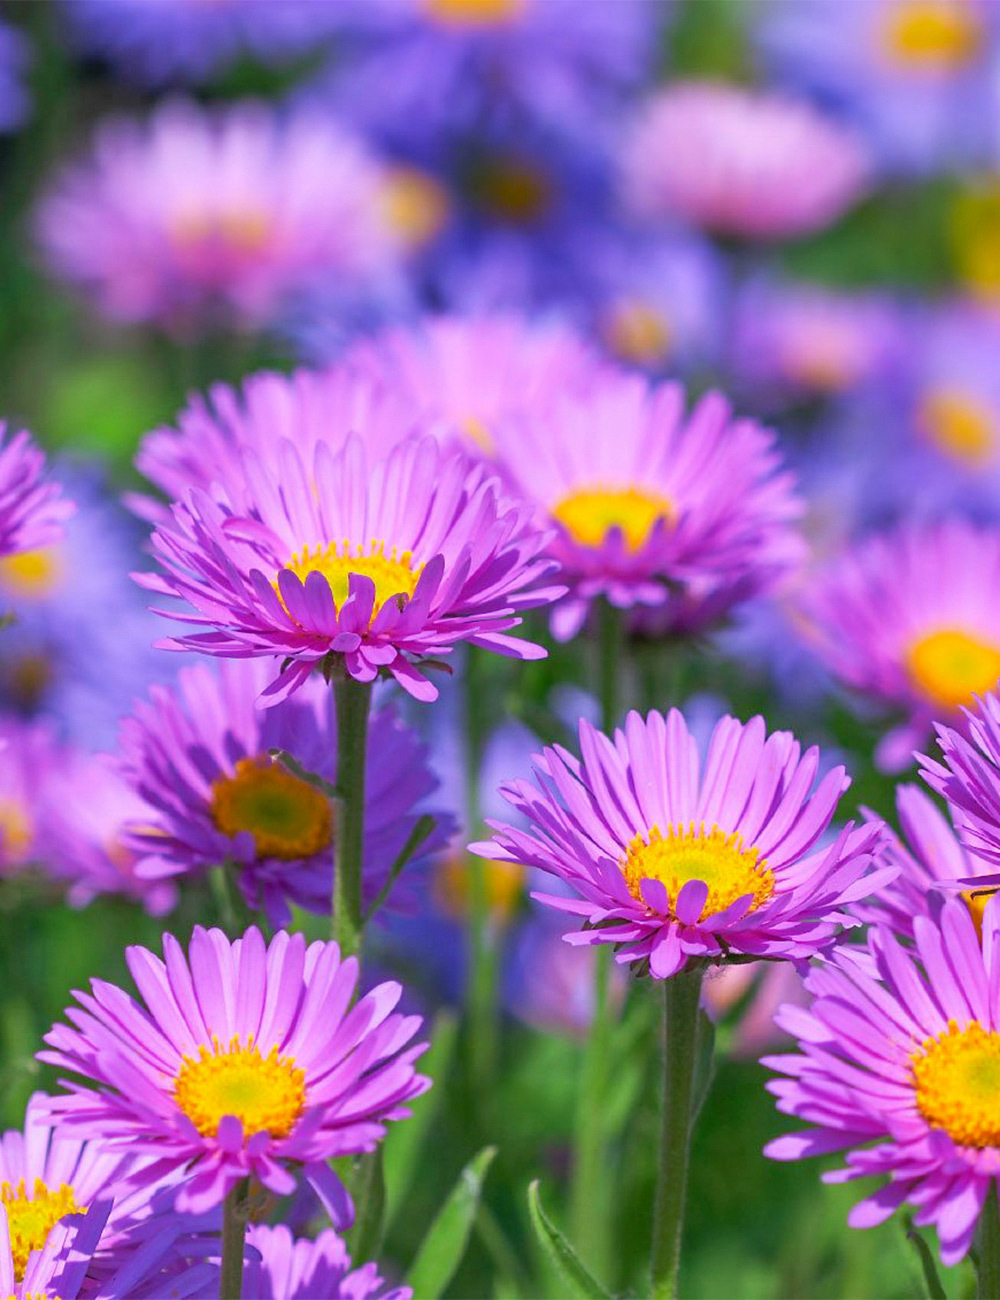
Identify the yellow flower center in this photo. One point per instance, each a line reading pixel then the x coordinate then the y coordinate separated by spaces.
pixel 510 189
pixel 31 574
pixel 393 576
pixel 503 884
pixel 933 35
pixel 265 1093
pixel 415 205
pixel 15 830
pixel 975 900
pixel 950 667
pixel 244 232
pixel 589 514
pixel 974 231
pixel 686 853
pixel 474 13
pixel 30 1218
pixel 959 426
pixel 957 1075
pixel 638 332
pixel 287 817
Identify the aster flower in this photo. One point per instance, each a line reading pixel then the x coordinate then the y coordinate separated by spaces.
pixel 969 777
pixel 898 1061
pixel 356 565
pixel 246 1063
pixel 32 510
pixel 196 756
pixel 197 217
pixel 670 859
pixel 740 162
pixel 909 619
pixel 687 516
pixel 297 1269
pixel 30 757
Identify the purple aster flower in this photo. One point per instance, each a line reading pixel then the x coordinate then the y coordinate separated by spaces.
pixel 199 217
pixel 356 564
pixel 14 59
pixel 969 777
pixel 670 860
pixel 197 755
pixel 32 509
pixel 297 1269
pixel 909 618
pixel 684 515
pixel 246 1063
pixel 898 1063
pixel 741 162
pixel 29 758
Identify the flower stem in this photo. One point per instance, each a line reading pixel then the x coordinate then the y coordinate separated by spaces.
pixel 589 1220
pixel 353 701
pixel 988 1245
pixel 682 1053
pixel 234 1228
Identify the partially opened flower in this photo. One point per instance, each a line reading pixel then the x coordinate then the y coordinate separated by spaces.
pixel 742 162
pixel 247 1062
pixel 685 514
pixel 969 777
pixel 32 509
pixel 911 619
pixel 300 1269
pixel 671 858
pixel 355 564
pixel 197 755
pixel 900 1053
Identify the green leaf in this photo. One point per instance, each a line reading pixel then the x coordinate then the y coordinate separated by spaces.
pixel 293 765
pixel 443 1247
pixel 416 837
pixel 935 1291
pixel 562 1254
pixel 368 1194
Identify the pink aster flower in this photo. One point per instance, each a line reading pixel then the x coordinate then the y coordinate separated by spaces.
pixel 197 757
pixel 32 509
pixel 685 514
pixel 911 619
pixel 298 1269
pixel 899 1056
pixel 247 1062
pixel 969 778
pixel 341 559
pixel 671 859
pixel 201 216
pixel 30 758
pixel 741 162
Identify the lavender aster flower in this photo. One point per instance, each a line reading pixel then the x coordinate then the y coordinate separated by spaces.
pixel 969 777
pixel 29 758
pixel 360 564
pixel 247 1062
pixel 672 860
pixel 740 162
pixel 898 1067
pixel 297 1269
pixel 32 510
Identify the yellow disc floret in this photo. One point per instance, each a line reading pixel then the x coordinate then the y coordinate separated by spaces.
pixel 287 817
pixel 32 574
pixel 638 332
pixel 32 1216
pixel 932 35
pixel 950 666
pixel 474 13
pixel 393 575
pixel 959 426
pixel 589 514
pixel 957 1076
pixel 689 853
pixel 265 1093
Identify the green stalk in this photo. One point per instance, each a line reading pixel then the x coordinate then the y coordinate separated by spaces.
pixel 682 1054
pixel 988 1248
pixel 353 701
pixel 234 1228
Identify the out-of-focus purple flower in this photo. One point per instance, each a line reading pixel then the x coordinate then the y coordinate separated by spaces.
pixel 550 984
pixel 740 162
pixel 687 516
pixel 290 1269
pixel 761 987
pixel 32 507
pixel 911 619
pixel 670 861
pixel 898 1054
pixel 369 564
pixel 14 58
pixel 201 217
pixel 916 75
pixel 29 758
pixel 198 756
pixel 246 1063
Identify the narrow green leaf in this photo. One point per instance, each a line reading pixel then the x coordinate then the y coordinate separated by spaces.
pixel 416 837
pixel 368 1193
pixel 562 1254
pixel 935 1291
pixel 295 767
pixel 441 1252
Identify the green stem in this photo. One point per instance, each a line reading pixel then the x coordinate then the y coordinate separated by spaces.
pixel 589 1215
pixel 353 701
pixel 234 1227
pixel 682 1017
pixel 988 1246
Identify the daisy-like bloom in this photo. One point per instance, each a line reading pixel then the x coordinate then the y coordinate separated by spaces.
pixel 32 508
pixel 671 859
pixel 741 162
pixel 197 217
pixel 356 564
pixel 969 777
pixel 196 756
pixel 900 1057
pixel 247 1062
pixel 684 514
pixel 300 1269
pixel 910 619
pixel 30 758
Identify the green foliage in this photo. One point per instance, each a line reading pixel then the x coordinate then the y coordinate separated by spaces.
pixel 443 1247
